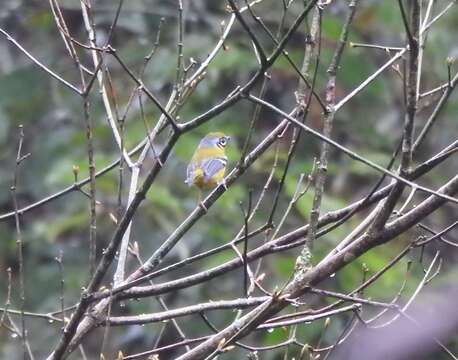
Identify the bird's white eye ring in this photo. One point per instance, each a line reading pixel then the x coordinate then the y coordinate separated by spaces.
pixel 222 141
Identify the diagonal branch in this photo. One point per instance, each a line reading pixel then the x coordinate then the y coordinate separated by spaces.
pixel 323 270
pixel 349 152
pixel 259 49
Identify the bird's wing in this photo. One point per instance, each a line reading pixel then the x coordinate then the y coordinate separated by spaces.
pixel 210 167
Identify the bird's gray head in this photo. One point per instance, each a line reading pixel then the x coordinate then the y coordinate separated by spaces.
pixel 215 139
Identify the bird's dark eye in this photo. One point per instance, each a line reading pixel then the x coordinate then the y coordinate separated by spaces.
pixel 222 141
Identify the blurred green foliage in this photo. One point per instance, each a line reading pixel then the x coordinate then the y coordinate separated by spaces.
pixel 54 135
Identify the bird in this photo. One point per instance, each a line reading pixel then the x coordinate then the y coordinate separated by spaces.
pixel 208 163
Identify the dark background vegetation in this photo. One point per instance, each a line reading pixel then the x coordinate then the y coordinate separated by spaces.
pixel 54 135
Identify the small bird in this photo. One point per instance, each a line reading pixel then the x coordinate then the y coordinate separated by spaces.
pixel 208 164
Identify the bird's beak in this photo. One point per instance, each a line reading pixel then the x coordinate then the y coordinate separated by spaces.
pixel 228 138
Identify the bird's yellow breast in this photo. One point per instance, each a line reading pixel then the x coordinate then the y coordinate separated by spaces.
pixel 203 153
pixel 200 181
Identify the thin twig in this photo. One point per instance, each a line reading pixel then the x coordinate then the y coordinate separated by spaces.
pixel 40 65
pixel 19 242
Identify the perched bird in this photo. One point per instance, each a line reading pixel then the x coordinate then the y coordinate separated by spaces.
pixel 208 164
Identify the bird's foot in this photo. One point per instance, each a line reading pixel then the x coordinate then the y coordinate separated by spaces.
pixel 223 184
pixel 203 207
